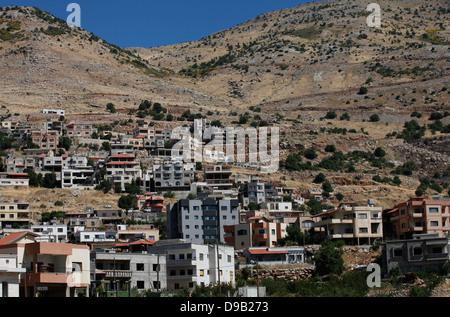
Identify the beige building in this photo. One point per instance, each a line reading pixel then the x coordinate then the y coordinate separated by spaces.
pixel 257 232
pixel 52 269
pixel 14 215
pixel 354 224
pixel 46 139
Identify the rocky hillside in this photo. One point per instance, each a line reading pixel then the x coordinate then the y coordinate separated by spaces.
pixel 317 56
pixel 46 64
pixel 318 71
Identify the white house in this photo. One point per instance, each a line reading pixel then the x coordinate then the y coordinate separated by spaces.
pixel 50 233
pixel 10 275
pixel 95 236
pixel 195 264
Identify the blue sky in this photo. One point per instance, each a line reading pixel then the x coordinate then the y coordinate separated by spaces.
pixel 151 23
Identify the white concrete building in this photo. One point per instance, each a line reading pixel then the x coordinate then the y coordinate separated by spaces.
pixel 50 233
pixel 194 264
pixel 10 275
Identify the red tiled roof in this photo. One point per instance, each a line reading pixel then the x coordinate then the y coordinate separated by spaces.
pixel 139 242
pixel 9 239
pixel 392 211
pixel 326 213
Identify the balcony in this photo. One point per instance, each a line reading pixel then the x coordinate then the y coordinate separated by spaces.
pixel 117 273
pixel 48 277
pixel 260 236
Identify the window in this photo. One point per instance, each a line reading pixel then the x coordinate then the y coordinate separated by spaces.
pixel 200 256
pixel 436 250
pixel 362 216
pixel 434 223
pixel 139 266
pixel 417 251
pixel 398 252
pixel 202 272
pixel 140 284
pixel 363 230
pixel 433 210
pixel 156 267
pixel 76 267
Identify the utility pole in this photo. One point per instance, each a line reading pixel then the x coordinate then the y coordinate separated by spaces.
pixel 157 274
pixel 257 277
pixel 218 267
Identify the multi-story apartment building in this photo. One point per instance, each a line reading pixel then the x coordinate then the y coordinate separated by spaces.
pixel 122 169
pixel 201 220
pixel 50 233
pixel 76 221
pixel 360 224
pixel 79 177
pixel 130 270
pixel 52 269
pixel 258 193
pixel 420 253
pixel 150 202
pixel 121 147
pixel 109 216
pixel 46 139
pixel 14 215
pixel 14 179
pixel 173 175
pixel 80 130
pixel 10 274
pixel 195 264
pixel 90 237
pixel 58 163
pixel 19 164
pixel 218 176
pixel 257 232
pixel 420 215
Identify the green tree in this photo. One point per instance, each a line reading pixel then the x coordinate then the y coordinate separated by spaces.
pixel 65 142
pixel 374 118
pixel 379 152
pixel 363 91
pixel 50 181
pixel 326 186
pixel 329 259
pixel 111 108
pixel 127 202
pixel 253 206
pixel 320 178
pixel 310 154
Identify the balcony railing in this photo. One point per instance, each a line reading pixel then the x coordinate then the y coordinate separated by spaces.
pixel 117 273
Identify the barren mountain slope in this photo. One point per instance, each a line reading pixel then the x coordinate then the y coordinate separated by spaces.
pixel 316 56
pixel 46 64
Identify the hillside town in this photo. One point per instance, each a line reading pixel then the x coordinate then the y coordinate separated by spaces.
pixel 179 224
